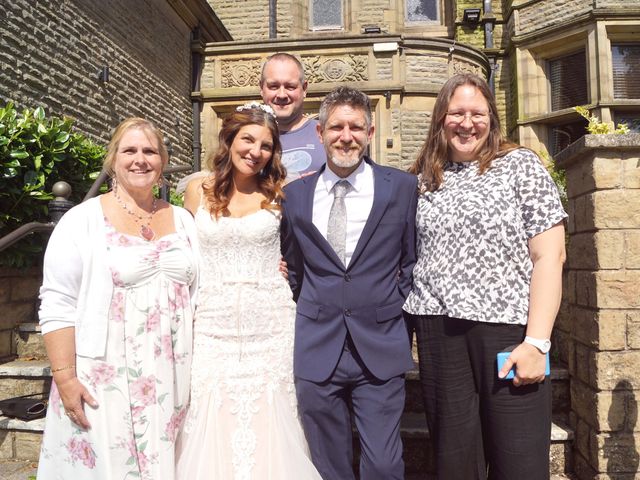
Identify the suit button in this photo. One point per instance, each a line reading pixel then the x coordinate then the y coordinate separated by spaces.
pixel 347 277
pixel 347 313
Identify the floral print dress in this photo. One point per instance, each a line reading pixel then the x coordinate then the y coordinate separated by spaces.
pixel 142 383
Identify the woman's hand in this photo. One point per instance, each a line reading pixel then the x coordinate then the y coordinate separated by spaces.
pixel 282 268
pixel 73 395
pixel 529 362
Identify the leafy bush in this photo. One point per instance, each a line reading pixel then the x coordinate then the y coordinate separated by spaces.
pixel 558 175
pixel 35 153
pixel 596 126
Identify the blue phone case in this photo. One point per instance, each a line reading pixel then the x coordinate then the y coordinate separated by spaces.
pixel 502 357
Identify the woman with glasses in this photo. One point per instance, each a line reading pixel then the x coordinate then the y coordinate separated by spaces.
pixel 488 279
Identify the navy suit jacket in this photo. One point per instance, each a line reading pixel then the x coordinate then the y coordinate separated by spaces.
pixel 365 298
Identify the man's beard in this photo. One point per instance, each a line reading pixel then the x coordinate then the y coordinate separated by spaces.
pixel 349 161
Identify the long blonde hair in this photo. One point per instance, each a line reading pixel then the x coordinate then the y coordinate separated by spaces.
pixel 434 153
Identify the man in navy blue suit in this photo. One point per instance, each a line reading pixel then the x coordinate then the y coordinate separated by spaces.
pixel 350 249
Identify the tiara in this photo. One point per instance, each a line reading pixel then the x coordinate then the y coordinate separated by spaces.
pixel 265 108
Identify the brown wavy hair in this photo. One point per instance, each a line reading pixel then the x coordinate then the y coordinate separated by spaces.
pixel 434 153
pixel 217 188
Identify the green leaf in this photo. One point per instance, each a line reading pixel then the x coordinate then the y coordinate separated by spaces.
pixel 62 137
pixel 31 178
pixel 38 114
pixel 20 154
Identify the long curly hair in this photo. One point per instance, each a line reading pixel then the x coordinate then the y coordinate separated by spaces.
pixel 434 153
pixel 217 188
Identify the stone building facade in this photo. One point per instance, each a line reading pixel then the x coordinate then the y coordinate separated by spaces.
pixel 531 48
pixel 52 51
pixel 183 66
pixel 543 57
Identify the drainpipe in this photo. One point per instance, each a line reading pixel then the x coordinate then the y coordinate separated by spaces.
pixel 489 20
pixel 272 18
pixel 196 102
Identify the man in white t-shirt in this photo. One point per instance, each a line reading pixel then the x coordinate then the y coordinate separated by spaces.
pixel 283 87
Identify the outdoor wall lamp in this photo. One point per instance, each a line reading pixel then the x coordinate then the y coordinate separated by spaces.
pixel 371 29
pixel 103 74
pixel 471 15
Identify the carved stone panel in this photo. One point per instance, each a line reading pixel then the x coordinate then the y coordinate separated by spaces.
pixel 342 68
pixel 464 67
pixel 241 73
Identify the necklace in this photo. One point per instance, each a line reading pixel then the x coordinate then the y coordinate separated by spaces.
pixel 145 228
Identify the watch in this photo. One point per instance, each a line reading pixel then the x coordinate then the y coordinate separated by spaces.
pixel 543 345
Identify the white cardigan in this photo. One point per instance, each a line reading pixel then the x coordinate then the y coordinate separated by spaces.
pixel 77 286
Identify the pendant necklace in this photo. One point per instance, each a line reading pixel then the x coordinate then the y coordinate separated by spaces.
pixel 143 221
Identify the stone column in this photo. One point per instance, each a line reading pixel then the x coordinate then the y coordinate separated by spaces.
pixel 600 326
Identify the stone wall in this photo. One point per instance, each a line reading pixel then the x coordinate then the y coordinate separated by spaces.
pixel 599 326
pixel 18 293
pixel 245 20
pixel 553 12
pixel 51 52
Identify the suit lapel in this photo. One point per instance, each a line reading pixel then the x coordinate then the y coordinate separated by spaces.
pixel 382 188
pixel 307 214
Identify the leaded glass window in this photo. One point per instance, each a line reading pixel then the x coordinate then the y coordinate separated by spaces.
pixel 422 11
pixel 326 14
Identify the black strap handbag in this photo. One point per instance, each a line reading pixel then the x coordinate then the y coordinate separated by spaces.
pixel 26 407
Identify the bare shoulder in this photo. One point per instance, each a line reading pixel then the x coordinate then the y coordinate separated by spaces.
pixel 193 194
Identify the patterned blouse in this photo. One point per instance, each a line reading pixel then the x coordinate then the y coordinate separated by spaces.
pixel 473 232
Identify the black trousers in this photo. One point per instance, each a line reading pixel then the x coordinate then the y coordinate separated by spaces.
pixel 480 426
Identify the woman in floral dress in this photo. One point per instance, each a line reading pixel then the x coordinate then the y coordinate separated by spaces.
pixel 116 313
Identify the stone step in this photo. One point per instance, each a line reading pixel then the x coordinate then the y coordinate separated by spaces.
pixel 20 440
pixel 29 342
pixel 559 382
pixel 24 377
pixel 417 447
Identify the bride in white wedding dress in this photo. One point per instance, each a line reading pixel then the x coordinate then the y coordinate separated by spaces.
pixel 242 422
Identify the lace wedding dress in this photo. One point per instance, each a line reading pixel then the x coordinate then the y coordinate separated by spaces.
pixel 242 421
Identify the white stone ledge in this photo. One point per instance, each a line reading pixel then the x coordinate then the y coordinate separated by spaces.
pixel 21 368
pixel 36 426
pixel 561 432
pixel 30 327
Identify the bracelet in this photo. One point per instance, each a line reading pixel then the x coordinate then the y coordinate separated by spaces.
pixel 68 367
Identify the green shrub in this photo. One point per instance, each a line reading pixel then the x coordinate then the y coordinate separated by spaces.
pixel 558 175
pixel 35 153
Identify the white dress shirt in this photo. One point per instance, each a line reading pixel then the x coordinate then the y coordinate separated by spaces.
pixel 358 202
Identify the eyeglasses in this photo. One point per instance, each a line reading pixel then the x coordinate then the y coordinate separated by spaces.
pixel 478 118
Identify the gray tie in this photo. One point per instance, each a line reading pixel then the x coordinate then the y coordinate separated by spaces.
pixel 337 228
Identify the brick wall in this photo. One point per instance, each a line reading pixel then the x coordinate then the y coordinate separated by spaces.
pixel 51 52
